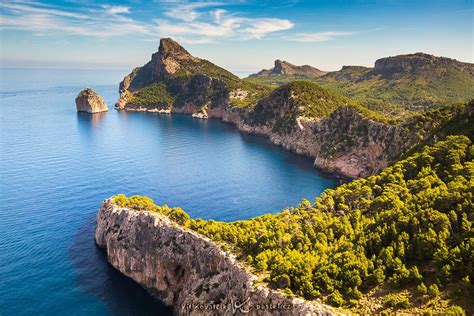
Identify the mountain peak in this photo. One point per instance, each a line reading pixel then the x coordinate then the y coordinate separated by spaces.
pixel 284 68
pixel 171 48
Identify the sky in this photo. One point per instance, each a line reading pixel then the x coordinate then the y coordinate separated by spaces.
pixel 243 36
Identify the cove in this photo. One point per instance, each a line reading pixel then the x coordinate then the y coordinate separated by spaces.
pixel 57 167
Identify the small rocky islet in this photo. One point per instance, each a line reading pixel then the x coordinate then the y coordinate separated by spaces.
pixel 205 267
pixel 87 101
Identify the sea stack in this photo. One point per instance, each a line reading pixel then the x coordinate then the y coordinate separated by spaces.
pixel 90 102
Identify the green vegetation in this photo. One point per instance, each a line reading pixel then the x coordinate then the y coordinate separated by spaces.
pixel 143 203
pixel 255 93
pixel 316 101
pixel 304 99
pixel 408 228
pixel 203 67
pixel 411 91
pixel 155 94
pixel 437 124
pixel 395 96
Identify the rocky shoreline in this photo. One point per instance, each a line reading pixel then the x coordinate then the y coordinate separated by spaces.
pixel 345 140
pixel 380 143
pixel 185 270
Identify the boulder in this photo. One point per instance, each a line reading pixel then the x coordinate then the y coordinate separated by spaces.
pixel 90 102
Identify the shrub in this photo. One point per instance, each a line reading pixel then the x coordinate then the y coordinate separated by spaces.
pixel 335 298
pixel 421 289
pixel 433 290
pixel 396 301
pixel 454 310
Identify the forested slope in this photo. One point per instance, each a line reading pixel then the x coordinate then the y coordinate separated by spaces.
pixel 402 239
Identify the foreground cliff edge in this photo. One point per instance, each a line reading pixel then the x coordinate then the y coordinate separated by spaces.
pixel 185 270
pixel 402 240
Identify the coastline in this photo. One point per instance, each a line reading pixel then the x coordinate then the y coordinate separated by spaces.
pixel 186 270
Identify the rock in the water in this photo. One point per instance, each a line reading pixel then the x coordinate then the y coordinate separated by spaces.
pixel 90 102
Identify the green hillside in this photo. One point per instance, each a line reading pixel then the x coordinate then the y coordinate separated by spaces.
pixel 400 240
pixel 305 99
pixel 397 84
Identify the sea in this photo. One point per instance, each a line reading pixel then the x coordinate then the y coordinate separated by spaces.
pixel 57 166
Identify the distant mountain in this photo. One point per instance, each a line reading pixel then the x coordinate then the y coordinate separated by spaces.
pixel 415 82
pixel 399 84
pixel 284 68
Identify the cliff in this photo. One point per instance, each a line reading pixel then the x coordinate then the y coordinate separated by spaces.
pixel 90 102
pixel 187 84
pixel 284 68
pixel 185 270
pixel 341 134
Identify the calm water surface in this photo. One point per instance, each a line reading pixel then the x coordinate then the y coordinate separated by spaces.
pixel 57 167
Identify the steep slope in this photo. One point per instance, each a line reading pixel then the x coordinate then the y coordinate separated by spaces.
pixel 341 135
pixel 398 241
pixel 175 81
pixel 284 68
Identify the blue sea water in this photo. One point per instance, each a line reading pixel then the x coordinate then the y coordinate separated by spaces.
pixel 57 167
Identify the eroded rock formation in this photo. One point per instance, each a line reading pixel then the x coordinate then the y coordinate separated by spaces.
pixel 90 102
pixel 186 270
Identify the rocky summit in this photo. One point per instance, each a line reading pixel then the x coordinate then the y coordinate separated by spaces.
pixel 90 102
pixel 284 68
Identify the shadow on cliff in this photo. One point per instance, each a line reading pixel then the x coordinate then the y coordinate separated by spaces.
pixel 96 277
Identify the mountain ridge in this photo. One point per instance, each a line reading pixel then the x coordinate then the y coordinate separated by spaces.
pixel 397 84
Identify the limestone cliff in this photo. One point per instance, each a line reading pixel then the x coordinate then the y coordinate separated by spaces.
pixel 186 270
pixel 90 102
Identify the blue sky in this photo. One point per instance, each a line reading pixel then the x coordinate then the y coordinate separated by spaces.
pixel 243 36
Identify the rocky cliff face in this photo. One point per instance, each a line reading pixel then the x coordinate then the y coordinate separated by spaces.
pixel 284 68
pixel 301 117
pixel 346 142
pixel 185 270
pixel 195 82
pixel 90 102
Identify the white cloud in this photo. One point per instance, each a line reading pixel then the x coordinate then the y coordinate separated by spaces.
pixel 220 23
pixel 42 19
pixel 113 9
pixel 189 22
pixel 188 11
pixel 257 28
pixel 28 8
pixel 317 37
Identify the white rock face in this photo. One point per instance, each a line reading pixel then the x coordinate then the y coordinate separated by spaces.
pixel 186 270
pixel 90 102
